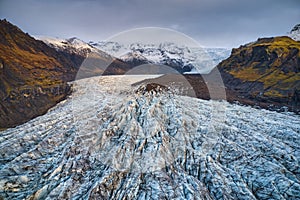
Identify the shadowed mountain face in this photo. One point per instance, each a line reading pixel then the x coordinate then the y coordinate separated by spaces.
pixel 33 76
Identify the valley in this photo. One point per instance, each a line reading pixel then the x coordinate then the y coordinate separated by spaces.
pixel 107 120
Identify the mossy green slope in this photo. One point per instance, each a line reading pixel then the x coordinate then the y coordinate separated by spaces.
pixel 266 70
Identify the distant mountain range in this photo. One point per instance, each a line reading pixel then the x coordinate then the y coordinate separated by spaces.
pixel 183 59
pixel 34 74
pixel 97 62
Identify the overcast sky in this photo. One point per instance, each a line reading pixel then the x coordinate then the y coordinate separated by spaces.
pixel 214 23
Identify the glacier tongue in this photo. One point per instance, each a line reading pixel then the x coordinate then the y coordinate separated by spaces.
pixel 110 141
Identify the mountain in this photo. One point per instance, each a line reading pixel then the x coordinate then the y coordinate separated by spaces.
pixel 295 33
pixel 34 73
pixel 179 57
pixel 71 45
pixel 33 76
pixel 113 141
pixel 265 71
pixel 96 62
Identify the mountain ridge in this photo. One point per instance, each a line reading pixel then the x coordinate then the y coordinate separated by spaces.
pixel 267 70
pixel 180 57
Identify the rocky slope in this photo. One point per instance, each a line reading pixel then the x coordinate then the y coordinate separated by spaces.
pixel 146 142
pixel 33 76
pixel 265 71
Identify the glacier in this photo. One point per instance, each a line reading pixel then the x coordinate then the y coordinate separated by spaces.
pixel 110 140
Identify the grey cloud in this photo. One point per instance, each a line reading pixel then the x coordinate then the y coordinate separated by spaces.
pixel 211 22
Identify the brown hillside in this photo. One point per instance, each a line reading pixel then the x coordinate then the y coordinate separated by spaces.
pixel 32 75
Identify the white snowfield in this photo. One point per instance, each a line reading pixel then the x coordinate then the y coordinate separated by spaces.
pixel 295 33
pixel 60 43
pixel 112 141
pixel 198 58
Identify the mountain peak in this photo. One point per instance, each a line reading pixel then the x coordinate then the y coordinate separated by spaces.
pixel 295 32
pixel 71 45
pixel 295 28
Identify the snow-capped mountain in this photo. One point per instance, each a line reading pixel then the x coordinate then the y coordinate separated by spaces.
pixel 182 57
pixel 92 62
pixel 114 141
pixel 71 45
pixel 295 33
